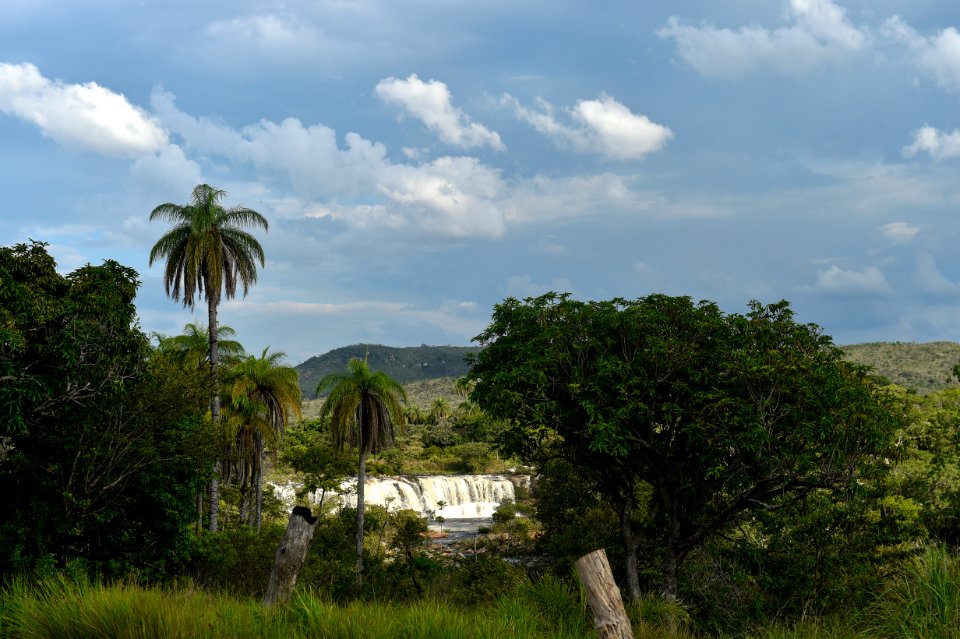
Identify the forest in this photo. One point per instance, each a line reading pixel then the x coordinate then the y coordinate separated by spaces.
pixel 745 478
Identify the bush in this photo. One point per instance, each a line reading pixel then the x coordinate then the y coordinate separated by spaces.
pixel 483 579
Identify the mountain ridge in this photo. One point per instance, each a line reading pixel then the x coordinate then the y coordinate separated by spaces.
pixel 405 364
pixel 919 366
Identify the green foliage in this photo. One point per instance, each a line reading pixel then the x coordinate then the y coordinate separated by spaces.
pixel 719 415
pixel 483 578
pixel 411 364
pixel 105 448
pixel 922 368
pixel 922 601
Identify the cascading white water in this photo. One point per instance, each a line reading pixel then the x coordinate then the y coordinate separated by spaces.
pixel 464 496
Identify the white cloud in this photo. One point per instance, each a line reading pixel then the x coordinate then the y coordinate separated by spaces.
pixel 266 31
pixel 430 103
pixel 837 281
pixel 930 279
pixel 85 116
pixel 899 232
pixel 167 170
pixel 937 55
pixel 940 145
pixel 818 31
pixel 451 196
pixel 542 197
pixel 603 126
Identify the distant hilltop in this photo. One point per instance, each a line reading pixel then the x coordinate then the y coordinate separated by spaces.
pixel 921 367
pixel 405 365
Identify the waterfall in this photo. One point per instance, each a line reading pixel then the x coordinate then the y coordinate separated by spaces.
pixel 464 496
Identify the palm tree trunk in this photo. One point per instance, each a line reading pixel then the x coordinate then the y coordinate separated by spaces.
pixel 214 402
pixel 258 481
pixel 361 478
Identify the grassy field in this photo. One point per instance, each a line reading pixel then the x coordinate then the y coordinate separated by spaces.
pixel 922 602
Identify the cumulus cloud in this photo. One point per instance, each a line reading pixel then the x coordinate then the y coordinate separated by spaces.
pixel 603 126
pixel 837 281
pixel 84 116
pixel 939 144
pixel 452 196
pixel 818 30
pixel 899 232
pixel 938 55
pixel 430 102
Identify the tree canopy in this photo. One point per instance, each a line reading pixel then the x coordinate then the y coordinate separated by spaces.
pixel 716 415
pixel 102 447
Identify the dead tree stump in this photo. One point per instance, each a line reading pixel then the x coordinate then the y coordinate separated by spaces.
pixel 290 556
pixel 603 596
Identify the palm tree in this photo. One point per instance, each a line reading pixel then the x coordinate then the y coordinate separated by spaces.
pixel 263 395
pixel 363 408
pixel 192 346
pixel 439 410
pixel 207 253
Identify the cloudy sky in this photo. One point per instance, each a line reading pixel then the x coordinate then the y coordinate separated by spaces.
pixel 421 160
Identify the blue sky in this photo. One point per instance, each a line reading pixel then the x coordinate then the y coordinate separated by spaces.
pixel 421 160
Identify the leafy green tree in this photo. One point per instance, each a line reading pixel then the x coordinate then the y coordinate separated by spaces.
pixel 264 394
pixel 208 253
pixel 103 445
pixel 410 529
pixel 720 415
pixel 363 408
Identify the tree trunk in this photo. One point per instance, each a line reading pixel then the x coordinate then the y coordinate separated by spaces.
pixel 361 479
pixel 215 400
pixel 630 546
pixel 214 498
pixel 258 481
pixel 672 558
pixel 609 617
pixel 669 568
pixel 290 556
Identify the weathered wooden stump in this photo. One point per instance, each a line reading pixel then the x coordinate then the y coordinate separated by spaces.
pixel 603 596
pixel 290 556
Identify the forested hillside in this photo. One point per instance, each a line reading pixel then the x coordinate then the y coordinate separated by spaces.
pixel 922 368
pixel 405 365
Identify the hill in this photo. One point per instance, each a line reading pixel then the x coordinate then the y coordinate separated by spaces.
pixel 406 365
pixel 920 367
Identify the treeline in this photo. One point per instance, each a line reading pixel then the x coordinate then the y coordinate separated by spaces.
pixel 737 468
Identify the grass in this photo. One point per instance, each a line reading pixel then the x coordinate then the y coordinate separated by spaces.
pixel 922 602
pixel 59 607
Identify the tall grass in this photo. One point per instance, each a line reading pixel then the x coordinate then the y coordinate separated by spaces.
pixel 59 607
pixel 923 601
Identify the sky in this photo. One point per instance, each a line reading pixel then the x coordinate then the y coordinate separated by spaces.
pixel 421 160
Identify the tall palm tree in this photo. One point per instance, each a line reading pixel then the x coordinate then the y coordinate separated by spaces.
pixel 207 254
pixel 363 408
pixel 263 395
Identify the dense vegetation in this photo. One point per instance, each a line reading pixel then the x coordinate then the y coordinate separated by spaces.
pixel 810 499
pixel 923 368
pixel 405 365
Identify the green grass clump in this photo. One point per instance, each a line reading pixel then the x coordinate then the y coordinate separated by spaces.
pixel 923 601
pixel 59 607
